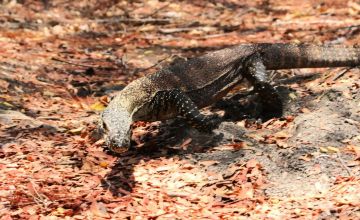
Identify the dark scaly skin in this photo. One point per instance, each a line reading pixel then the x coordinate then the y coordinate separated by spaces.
pixel 184 88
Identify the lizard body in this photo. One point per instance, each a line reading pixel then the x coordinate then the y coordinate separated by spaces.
pixel 184 88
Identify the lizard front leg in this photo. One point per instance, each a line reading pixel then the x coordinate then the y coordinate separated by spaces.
pixel 184 107
pixel 256 74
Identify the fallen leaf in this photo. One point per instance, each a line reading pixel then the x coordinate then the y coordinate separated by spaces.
pixel 306 157
pixel 354 149
pixel 333 149
pixel 252 163
pixel 282 135
pixel 292 96
pixel 246 192
pixel 268 122
pixel 97 106
pixel 30 158
pixel 104 164
pixel 354 5
pixel 305 110
pixel 238 145
pixel 98 209
pixel 353 163
pixel 207 163
pixel 289 118
pixel 282 144
pixel 185 144
pixel 6 104
pixel 8 117
pixel 76 130
pixel 323 150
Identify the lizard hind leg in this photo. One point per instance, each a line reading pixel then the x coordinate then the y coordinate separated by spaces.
pixel 186 108
pixel 272 105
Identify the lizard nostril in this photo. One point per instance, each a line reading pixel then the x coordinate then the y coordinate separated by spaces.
pixel 113 143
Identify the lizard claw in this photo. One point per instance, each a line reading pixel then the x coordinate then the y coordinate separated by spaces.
pixel 211 123
pixel 271 102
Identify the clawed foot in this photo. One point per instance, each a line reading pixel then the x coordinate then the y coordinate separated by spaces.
pixel 211 122
pixel 272 105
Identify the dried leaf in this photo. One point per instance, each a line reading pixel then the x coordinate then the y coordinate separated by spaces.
pixel 104 164
pixel 97 106
pixel 305 110
pixel 306 157
pixel 207 163
pixel 98 209
pixel 333 149
pixel 238 145
pixel 354 149
pixel 324 150
pixel 252 163
pixel 185 144
pixel 282 135
pixel 6 104
pixel 76 130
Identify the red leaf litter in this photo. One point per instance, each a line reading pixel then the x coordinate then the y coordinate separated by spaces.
pixel 61 62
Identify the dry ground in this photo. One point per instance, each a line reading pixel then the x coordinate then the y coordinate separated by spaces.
pixel 61 61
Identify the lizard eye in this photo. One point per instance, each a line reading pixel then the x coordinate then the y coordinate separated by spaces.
pixel 105 127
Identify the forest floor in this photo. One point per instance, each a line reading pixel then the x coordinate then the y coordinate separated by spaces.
pixel 62 61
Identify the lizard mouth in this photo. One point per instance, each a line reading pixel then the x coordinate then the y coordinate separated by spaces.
pixel 111 143
pixel 118 149
pixel 115 146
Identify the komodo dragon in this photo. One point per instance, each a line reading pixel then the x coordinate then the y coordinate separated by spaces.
pixel 185 87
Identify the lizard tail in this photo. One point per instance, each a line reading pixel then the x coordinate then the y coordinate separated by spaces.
pixel 287 56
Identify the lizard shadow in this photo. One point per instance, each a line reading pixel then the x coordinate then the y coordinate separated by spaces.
pixel 173 138
pixel 168 143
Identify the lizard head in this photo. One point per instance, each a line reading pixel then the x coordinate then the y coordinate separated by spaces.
pixel 115 124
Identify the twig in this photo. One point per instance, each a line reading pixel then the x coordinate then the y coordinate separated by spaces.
pixel 158 62
pixel 43 199
pixel 7 70
pixel 139 21
pixel 49 118
pixel 152 66
pixel 214 35
pixel 216 182
pixel 157 10
pixel 346 27
pixel 318 99
pixel 71 63
pixel 338 159
pixel 343 164
pixel 341 74
pixel 181 29
pixel 297 78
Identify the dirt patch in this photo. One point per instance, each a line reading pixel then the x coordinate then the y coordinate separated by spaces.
pixel 333 121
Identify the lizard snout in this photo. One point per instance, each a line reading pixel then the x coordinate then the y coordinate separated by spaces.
pixel 118 146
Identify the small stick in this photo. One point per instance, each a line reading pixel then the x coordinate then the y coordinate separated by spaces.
pixel 343 164
pixel 135 21
pixel 156 11
pixel 71 63
pixel 338 159
pixel 341 74
pixel 152 66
